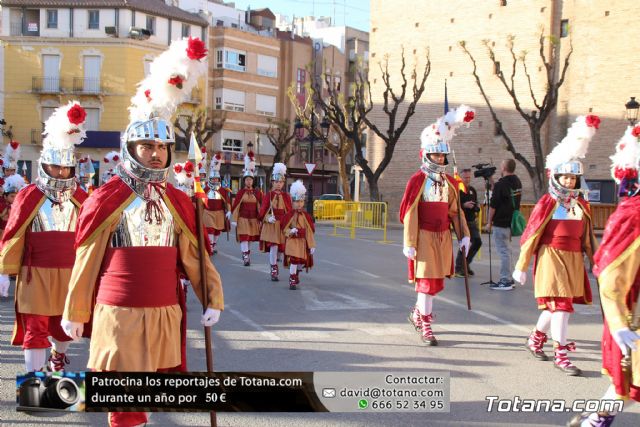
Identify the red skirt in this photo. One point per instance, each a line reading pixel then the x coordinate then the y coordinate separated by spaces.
pixel 554 304
pixel 429 286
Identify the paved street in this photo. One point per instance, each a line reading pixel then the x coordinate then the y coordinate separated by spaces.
pixel 350 315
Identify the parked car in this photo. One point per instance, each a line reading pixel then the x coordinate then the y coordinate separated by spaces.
pixel 331 197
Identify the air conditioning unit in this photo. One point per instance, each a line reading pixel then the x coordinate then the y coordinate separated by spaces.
pixel 139 33
pixel 111 31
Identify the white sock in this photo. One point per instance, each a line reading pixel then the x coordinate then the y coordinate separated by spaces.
pixel 4 285
pixel 424 303
pixel 544 321
pixel 212 239
pixel 293 268
pixel 559 325
pixel 244 246
pixel 273 255
pixel 215 240
pixel 35 358
pixel 59 346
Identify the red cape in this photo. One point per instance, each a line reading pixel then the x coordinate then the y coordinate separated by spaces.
pixel 622 229
pixel 224 193
pixel 268 198
pixel 108 200
pixel 241 192
pixel 289 215
pixel 25 204
pixel 542 211
pixel 412 191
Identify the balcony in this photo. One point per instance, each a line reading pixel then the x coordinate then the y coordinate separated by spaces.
pixel 87 86
pixel 46 85
pixel 36 136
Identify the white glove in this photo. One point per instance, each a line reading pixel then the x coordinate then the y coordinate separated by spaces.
pixel 312 251
pixel 234 224
pixel 520 276
pixel 271 219
pixel 293 231
pixel 210 317
pixel 228 214
pixel 73 329
pixel 409 252
pixel 465 244
pixel 625 339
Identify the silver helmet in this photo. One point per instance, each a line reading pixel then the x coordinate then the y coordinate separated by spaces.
pixel 63 130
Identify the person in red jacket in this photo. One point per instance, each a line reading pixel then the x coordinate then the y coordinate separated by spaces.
pixel 245 210
pixel 298 228
pixel 37 243
pixel 218 207
pixel 275 205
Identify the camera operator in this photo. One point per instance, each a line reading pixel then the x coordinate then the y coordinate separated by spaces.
pixel 469 201
pixel 505 198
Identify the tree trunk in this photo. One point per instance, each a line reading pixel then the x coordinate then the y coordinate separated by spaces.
pixel 344 178
pixel 374 193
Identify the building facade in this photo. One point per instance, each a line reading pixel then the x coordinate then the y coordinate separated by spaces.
pixel 95 52
pixel 600 79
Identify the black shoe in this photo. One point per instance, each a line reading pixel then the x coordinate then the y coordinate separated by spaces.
pixel 470 272
pixel 501 286
pixel 458 273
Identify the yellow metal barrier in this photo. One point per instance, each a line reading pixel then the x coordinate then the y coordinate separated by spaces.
pixel 352 215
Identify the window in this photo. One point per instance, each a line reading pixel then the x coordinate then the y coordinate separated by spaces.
pixel 564 28
pixel 218 103
pixel 267 66
pixel 300 81
pixel 151 24
pixel 186 30
pixel 92 121
pixel 94 19
pixel 52 18
pixel 233 100
pixel 232 144
pixel 219 23
pixel 266 105
pixel 231 59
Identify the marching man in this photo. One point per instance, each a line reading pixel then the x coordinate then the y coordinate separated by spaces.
pixel 429 206
pixel 37 243
pixel 617 266
pixel 218 207
pixel 245 210
pixel 298 228
pixel 135 234
pixel 11 186
pixel 275 205
pixel 558 232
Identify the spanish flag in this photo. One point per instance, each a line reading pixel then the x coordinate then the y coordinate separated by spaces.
pixel 196 155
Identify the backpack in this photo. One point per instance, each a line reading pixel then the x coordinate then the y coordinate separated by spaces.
pixel 518 223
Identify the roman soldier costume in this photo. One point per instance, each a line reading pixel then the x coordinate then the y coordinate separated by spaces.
pixel 275 205
pixel 298 228
pixel 245 210
pixel 11 185
pixel 218 206
pixel 37 243
pixel 135 235
pixel 429 207
pixel 111 161
pixel 617 266
pixel 558 233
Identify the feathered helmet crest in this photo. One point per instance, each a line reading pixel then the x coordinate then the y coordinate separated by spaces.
pixel 249 165
pixel 11 155
pixel 13 184
pixel 298 191
pixel 279 172
pixel 216 163
pixel 625 163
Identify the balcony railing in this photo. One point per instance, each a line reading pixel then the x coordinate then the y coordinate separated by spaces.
pixel 36 136
pixel 87 86
pixel 46 84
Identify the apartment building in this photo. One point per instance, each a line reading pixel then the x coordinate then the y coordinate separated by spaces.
pixel 53 51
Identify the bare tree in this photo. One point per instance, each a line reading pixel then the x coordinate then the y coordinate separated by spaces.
pixel 391 129
pixel 536 118
pixel 346 124
pixel 280 134
pixel 202 122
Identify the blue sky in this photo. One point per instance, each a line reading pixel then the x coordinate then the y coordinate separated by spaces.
pixel 355 13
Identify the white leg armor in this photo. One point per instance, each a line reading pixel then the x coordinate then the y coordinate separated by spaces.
pixel 424 303
pixel 273 255
pixel 244 246
pixel 4 285
pixel 544 321
pixel 35 358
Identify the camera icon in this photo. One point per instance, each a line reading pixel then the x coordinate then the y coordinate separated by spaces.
pixel 329 392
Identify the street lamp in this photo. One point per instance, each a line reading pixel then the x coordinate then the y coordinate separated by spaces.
pixel 632 107
pixel 313 135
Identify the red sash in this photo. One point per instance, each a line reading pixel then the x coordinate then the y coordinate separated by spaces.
pixel 249 210
pixel 433 216
pixel 49 249
pixel 279 214
pixel 214 205
pixel 564 235
pixel 139 277
pixel 302 233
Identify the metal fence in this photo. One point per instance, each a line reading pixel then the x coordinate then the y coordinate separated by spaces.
pixel 352 216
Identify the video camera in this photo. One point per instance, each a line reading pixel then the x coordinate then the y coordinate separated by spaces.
pixel 484 170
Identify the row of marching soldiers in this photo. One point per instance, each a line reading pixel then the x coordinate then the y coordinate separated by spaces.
pixel 275 220
pixel 558 233
pixel 107 266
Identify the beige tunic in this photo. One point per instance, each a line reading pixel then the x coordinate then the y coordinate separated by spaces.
pixel 128 338
pixel 246 226
pixel 215 219
pixel 559 273
pixel 273 232
pixel 297 247
pixel 434 249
